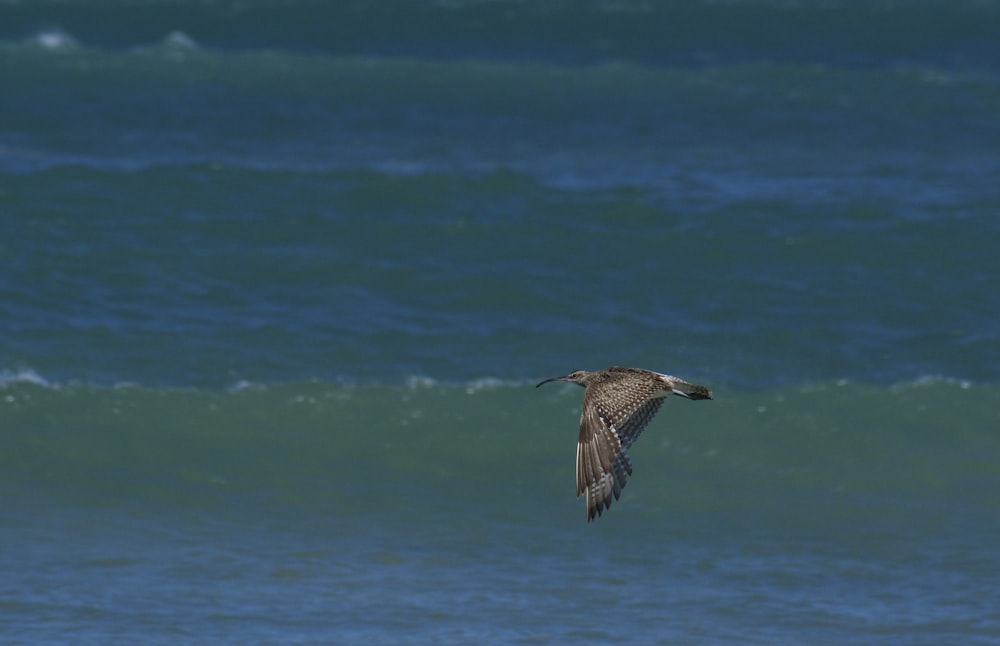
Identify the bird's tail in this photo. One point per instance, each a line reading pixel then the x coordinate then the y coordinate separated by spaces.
pixel 691 391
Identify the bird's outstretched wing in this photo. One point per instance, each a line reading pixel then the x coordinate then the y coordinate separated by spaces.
pixel 632 426
pixel 602 465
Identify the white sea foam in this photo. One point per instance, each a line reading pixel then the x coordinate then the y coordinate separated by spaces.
pixel 415 382
pixel 926 381
pixel 489 383
pixel 56 39
pixel 179 40
pixel 23 376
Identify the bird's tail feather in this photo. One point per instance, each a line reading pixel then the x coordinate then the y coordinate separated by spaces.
pixel 691 391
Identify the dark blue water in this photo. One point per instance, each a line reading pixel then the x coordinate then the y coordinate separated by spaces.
pixel 276 281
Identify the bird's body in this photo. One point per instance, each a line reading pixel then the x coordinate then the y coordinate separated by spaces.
pixel 617 405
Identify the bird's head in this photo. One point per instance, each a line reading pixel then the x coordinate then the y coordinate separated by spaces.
pixel 577 377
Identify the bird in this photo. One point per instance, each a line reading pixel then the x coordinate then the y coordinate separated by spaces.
pixel 618 404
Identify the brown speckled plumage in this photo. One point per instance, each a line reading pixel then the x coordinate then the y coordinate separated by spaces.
pixel 617 405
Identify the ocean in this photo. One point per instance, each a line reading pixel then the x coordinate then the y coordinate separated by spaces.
pixel 278 278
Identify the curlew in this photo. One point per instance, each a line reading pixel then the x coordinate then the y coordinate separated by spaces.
pixel 618 403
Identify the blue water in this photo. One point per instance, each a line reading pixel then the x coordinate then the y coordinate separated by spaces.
pixel 277 280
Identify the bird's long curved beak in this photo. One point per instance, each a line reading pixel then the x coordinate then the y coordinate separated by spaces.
pixel 551 379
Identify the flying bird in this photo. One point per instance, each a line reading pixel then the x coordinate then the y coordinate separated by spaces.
pixel 618 403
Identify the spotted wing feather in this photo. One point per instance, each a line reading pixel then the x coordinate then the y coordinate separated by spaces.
pixel 637 422
pixel 607 429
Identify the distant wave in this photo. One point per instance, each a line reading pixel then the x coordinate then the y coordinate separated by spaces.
pixel 55 39
pixel 686 33
pixel 30 377
pixel 23 376
pixel 320 442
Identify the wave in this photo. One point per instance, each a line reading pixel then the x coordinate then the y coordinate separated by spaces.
pixel 407 114
pixel 374 276
pixel 23 376
pixel 10 377
pixel 352 447
pixel 55 40
pixel 692 33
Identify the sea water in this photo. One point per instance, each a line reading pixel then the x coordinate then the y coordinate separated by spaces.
pixel 277 280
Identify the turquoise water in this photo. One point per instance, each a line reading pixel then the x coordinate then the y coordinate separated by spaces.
pixel 277 280
pixel 428 512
